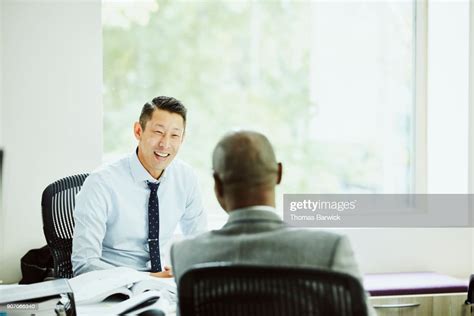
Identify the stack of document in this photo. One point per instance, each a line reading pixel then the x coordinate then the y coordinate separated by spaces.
pixel 103 291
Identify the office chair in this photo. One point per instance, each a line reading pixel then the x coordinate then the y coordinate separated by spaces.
pixel 57 206
pixel 470 295
pixel 224 289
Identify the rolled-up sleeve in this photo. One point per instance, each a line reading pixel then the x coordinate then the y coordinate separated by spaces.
pixel 90 217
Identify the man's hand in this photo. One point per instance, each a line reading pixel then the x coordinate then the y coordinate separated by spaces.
pixel 166 273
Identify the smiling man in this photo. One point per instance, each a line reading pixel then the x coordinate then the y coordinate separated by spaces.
pixel 127 211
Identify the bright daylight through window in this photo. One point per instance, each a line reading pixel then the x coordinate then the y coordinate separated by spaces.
pixel 330 83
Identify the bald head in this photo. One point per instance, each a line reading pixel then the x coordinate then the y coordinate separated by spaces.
pixel 245 159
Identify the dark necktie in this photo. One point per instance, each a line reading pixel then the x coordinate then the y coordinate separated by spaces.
pixel 154 227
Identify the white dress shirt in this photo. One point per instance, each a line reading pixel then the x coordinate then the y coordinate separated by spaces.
pixel 111 214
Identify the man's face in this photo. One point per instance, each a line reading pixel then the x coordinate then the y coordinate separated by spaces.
pixel 159 142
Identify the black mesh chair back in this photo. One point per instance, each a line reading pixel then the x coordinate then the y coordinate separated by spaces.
pixel 234 290
pixel 57 205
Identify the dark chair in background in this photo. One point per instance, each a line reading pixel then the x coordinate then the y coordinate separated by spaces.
pixel 224 289
pixel 470 295
pixel 57 205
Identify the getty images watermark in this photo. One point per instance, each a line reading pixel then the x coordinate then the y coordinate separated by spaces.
pixel 318 205
pixel 378 210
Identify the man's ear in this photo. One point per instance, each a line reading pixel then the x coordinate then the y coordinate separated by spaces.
pixel 137 130
pixel 218 187
pixel 279 172
pixel 219 191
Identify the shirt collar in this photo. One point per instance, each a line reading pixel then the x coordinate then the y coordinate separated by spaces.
pixel 256 207
pixel 139 173
pixel 252 213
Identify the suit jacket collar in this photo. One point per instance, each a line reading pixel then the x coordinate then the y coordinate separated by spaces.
pixel 251 215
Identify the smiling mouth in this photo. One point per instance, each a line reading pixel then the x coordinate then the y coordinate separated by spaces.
pixel 161 155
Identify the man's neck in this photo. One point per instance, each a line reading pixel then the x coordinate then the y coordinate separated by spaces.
pixel 155 174
pixel 238 201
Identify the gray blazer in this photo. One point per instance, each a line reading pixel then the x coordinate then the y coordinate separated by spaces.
pixel 261 237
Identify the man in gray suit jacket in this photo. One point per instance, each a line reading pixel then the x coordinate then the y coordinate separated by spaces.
pixel 245 175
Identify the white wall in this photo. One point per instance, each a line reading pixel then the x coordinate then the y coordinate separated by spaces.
pixel 471 112
pixel 1 75
pixel 448 97
pixel 444 250
pixel 52 110
pixel 1 136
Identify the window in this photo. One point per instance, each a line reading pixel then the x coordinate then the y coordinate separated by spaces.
pixel 330 83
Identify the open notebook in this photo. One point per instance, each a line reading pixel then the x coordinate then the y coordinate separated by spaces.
pixel 96 286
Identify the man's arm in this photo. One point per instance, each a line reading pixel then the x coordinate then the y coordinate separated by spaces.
pixel 90 217
pixel 166 273
pixel 194 220
pixel 344 261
